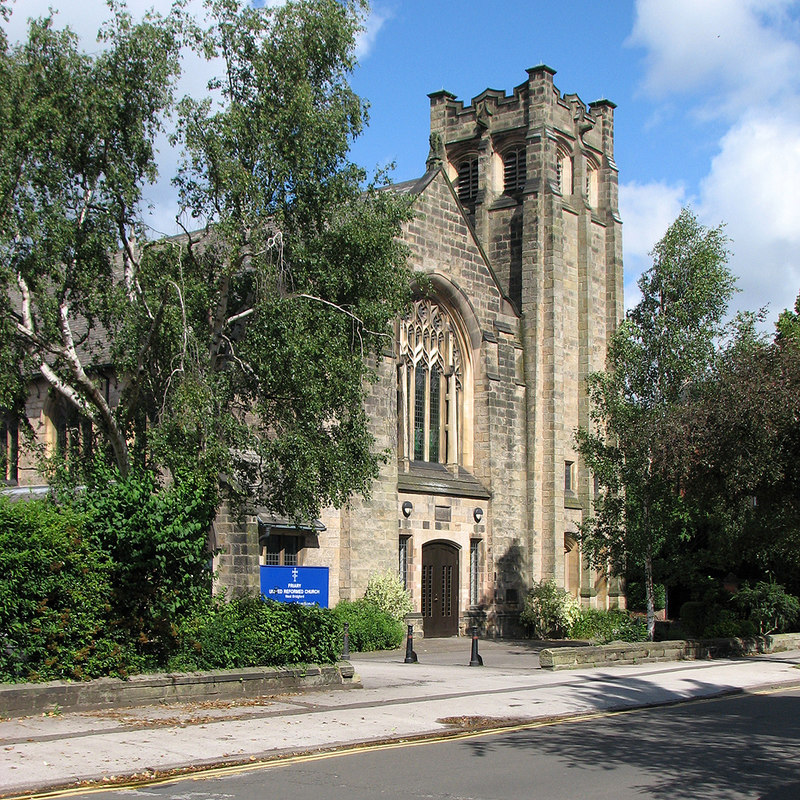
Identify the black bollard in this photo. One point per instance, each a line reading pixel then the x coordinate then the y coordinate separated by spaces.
pixel 476 660
pixel 346 648
pixel 411 656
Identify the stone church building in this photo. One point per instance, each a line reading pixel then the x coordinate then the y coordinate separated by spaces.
pixel 518 235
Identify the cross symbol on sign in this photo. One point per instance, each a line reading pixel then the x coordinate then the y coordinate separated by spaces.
pixel 294 574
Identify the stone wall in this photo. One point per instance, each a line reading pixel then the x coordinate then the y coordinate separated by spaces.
pixel 619 653
pixel 25 699
pixel 234 538
pixel 369 525
pixel 444 247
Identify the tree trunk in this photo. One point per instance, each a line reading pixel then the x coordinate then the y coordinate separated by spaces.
pixel 650 594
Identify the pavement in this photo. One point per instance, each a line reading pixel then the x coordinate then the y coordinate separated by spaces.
pixel 438 696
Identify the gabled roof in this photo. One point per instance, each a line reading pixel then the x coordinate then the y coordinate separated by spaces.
pixel 417 187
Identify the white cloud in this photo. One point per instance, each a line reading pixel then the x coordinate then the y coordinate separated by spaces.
pixel 752 186
pixel 647 210
pixel 753 180
pixel 738 52
pixel 738 60
pixel 366 38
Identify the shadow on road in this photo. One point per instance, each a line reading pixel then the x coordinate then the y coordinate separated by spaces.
pixel 745 746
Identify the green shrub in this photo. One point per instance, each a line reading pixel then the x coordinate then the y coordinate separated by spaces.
pixel 250 632
pixel 115 581
pixel 156 539
pixel 55 595
pixel 370 627
pixel 728 625
pixel 549 611
pixel 386 591
pixel 614 625
pixel 710 619
pixel 768 607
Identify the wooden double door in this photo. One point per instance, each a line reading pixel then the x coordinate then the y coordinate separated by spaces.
pixel 439 589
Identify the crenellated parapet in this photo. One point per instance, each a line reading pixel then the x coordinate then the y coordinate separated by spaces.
pixel 502 146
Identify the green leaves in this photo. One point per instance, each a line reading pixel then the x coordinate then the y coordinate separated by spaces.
pixel 277 139
pixel 76 148
pixel 549 611
pixel 768 606
pixel 386 591
pixel 370 627
pixel 642 443
pixel 157 541
pixel 251 632
pixel 241 350
pixel 745 473
pixel 291 293
pixel 55 590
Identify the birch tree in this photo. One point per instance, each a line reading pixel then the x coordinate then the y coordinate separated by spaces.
pixel 76 148
pixel 638 445
pixel 242 349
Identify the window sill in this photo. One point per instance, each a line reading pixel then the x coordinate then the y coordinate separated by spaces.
pixel 505 201
pixel 429 478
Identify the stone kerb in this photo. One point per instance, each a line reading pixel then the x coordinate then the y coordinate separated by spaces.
pixel 24 699
pixel 679 650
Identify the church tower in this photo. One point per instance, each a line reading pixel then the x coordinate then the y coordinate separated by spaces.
pixel 535 173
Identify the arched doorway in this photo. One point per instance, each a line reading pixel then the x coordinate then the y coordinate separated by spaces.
pixel 439 589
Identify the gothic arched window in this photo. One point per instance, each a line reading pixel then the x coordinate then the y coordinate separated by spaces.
pixel 430 385
pixel 591 183
pixel 564 171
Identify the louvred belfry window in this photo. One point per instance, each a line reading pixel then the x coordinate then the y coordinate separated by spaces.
pixel 564 172
pixel 514 171
pixel 468 180
pixel 430 385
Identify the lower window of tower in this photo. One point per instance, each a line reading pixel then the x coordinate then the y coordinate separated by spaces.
pixel 474 573
pixel 402 560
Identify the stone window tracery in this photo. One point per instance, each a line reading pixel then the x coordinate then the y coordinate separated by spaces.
pixel 430 381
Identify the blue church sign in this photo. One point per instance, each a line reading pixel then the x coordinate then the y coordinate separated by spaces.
pixel 305 585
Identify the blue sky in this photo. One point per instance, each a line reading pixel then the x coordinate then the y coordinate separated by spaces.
pixel 707 94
